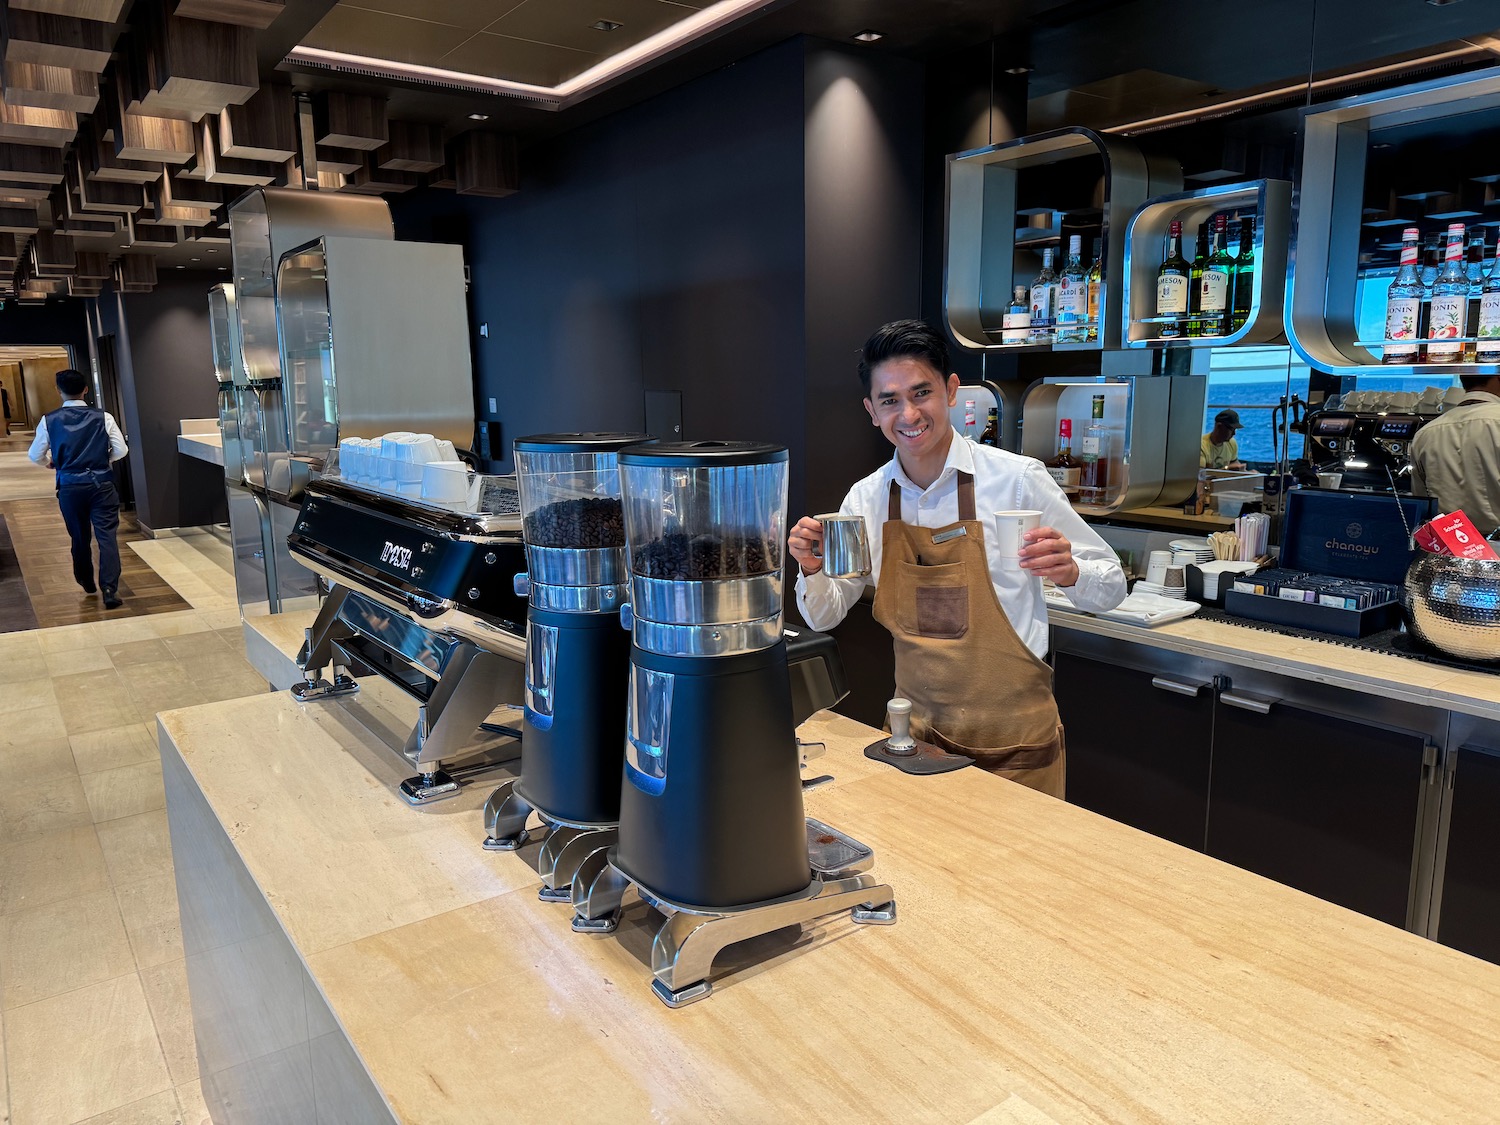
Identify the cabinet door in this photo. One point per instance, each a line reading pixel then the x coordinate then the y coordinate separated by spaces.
pixel 1318 801
pixel 1138 745
pixel 1469 915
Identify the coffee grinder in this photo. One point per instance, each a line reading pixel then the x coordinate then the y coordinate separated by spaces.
pixel 577 656
pixel 712 831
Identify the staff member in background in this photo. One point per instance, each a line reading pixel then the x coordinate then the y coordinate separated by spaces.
pixel 1220 449
pixel 81 442
pixel 1456 456
pixel 970 628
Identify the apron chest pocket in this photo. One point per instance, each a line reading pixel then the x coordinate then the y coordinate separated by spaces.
pixel 936 604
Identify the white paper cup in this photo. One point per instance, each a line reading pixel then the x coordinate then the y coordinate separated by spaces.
pixel 1156 567
pixel 1011 528
pixel 1176 577
pixel 445 482
pixel 1330 480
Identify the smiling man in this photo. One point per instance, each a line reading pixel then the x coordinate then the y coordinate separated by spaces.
pixel 969 627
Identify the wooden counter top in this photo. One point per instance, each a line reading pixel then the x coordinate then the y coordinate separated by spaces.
pixel 1048 964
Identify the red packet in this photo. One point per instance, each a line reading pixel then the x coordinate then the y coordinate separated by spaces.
pixel 1426 538
pixel 1459 535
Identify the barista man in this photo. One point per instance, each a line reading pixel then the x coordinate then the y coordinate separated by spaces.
pixel 1220 449
pixel 1456 456
pixel 970 628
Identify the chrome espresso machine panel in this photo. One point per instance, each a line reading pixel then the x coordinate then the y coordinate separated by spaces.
pixel 423 595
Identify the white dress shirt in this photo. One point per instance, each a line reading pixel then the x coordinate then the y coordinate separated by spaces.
pixel 1456 458
pixel 41 451
pixel 1003 481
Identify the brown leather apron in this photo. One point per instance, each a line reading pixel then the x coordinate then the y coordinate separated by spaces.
pixel 974 686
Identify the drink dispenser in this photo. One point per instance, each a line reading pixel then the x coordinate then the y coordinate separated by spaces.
pixel 711 812
pixel 577 656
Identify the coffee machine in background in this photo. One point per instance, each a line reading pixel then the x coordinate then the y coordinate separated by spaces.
pixel 577 656
pixel 712 831
pixel 1371 449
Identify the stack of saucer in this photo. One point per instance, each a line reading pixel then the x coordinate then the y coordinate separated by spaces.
pixel 1191 550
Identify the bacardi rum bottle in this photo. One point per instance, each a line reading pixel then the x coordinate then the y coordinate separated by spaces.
pixel 1064 468
pixel 1450 299
pixel 1073 296
pixel 1403 305
pixel 1093 475
pixel 1044 302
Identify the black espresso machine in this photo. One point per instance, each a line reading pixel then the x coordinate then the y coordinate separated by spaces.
pixel 712 831
pixel 577 656
pixel 1372 449
pixel 421 593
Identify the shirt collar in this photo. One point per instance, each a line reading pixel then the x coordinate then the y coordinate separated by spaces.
pixel 960 460
pixel 1480 396
pixel 74 402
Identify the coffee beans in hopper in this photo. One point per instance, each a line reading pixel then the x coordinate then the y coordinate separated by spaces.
pixel 680 556
pixel 591 521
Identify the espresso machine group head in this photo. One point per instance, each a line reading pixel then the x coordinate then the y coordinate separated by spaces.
pixel 577 656
pixel 712 831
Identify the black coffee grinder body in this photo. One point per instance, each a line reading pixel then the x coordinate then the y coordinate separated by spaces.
pixel 577 655
pixel 712 810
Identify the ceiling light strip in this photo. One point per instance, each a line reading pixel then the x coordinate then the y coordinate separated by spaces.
pixel 1217 109
pixel 701 23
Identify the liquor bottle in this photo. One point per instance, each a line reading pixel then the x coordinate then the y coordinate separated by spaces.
pixel 971 418
pixel 991 433
pixel 1213 284
pixel 1095 284
pixel 1064 468
pixel 1432 262
pixel 1450 298
pixel 1172 285
pixel 1015 325
pixel 1244 274
pixel 1474 275
pixel 1044 302
pixel 1072 296
pixel 1093 469
pixel 1195 283
pixel 1488 349
pixel 1403 304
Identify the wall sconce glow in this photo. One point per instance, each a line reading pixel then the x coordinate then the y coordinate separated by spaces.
pixel 479 117
pixel 868 36
pixel 704 22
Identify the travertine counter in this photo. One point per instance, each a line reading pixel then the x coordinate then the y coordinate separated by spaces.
pixel 355 959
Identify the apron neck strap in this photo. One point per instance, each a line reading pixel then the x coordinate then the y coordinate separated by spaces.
pixel 965 499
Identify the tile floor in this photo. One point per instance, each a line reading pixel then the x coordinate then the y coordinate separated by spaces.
pixel 95 1024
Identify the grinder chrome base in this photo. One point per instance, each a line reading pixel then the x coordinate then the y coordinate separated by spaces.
pixel 564 851
pixel 690 937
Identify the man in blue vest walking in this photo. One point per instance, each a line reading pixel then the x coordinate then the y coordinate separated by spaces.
pixel 81 442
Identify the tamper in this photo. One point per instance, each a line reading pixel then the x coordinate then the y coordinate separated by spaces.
pixel 898 714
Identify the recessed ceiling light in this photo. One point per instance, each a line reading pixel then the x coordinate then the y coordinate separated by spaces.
pixel 1018 69
pixel 479 117
pixel 194 259
pixel 1441 3
pixel 606 25
pixel 182 267
pixel 868 36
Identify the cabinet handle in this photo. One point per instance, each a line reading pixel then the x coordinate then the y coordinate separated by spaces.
pixel 1259 705
pixel 1177 687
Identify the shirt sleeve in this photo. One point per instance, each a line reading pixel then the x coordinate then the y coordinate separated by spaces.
pixel 1101 581
pixel 40 450
pixel 825 601
pixel 117 446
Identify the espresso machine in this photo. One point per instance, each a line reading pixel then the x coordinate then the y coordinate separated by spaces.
pixel 1372 449
pixel 712 832
pixel 577 656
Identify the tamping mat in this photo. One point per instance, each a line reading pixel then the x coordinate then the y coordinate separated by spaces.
pixel 927 759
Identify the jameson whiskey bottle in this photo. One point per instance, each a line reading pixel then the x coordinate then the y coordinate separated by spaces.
pixel 1172 285
pixel 1403 305
pixel 1213 284
pixel 1244 274
pixel 1064 468
pixel 1093 475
